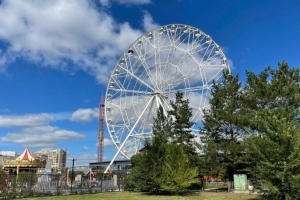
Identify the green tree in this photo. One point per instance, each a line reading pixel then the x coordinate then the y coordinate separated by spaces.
pixel 210 164
pixel 222 131
pixel 26 180
pixel 3 177
pixel 273 104
pixel 169 129
pixel 278 157
pixel 147 165
pixel 177 174
pixel 257 127
pixel 181 132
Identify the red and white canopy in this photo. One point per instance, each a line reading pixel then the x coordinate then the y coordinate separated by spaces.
pixel 26 155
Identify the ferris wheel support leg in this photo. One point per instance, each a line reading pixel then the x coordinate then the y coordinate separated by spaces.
pixel 162 105
pixel 113 159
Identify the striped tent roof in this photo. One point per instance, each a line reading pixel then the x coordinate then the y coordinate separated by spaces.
pixel 26 155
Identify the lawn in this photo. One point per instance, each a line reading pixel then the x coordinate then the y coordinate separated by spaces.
pixel 141 196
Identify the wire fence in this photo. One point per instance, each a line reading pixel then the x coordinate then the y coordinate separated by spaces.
pixel 38 185
pixel 33 185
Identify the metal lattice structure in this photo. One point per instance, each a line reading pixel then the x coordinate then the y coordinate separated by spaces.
pixel 101 129
pixel 148 74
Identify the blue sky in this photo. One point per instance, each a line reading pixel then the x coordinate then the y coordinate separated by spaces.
pixel 56 57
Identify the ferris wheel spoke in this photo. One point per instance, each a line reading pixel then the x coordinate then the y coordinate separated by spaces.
pixel 191 89
pixel 131 91
pixel 206 51
pixel 142 59
pixel 137 78
pixel 182 79
pixel 196 49
pixel 148 116
pixel 160 103
pixel 129 134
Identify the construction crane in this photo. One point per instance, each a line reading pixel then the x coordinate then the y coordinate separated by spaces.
pixel 100 129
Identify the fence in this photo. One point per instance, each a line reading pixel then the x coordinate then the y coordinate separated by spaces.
pixel 229 186
pixel 26 185
pixel 35 185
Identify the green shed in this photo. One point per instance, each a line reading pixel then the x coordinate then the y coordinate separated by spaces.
pixel 240 181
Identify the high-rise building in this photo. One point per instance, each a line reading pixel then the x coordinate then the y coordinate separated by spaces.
pixel 57 157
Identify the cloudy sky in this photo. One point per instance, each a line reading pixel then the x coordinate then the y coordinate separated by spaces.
pixel 56 57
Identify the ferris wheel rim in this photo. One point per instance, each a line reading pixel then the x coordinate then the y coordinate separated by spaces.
pixel 149 93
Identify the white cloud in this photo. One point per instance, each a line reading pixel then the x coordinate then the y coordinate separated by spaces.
pixel 25 120
pixel 104 2
pixel 81 160
pixel 3 61
pixel 64 35
pixel 61 115
pixel 124 2
pixel 106 142
pixel 84 115
pixel 133 1
pixel 41 136
pixel 148 22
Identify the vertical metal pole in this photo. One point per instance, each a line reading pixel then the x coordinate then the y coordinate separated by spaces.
pixel 72 175
pixel 118 176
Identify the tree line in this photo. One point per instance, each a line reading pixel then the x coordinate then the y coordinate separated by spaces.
pixel 250 128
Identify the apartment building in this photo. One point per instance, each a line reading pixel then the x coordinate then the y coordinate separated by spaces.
pixel 58 157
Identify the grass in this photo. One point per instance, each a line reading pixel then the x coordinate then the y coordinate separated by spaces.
pixel 142 196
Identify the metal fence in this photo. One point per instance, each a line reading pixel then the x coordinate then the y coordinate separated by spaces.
pixel 37 185
pixel 228 186
pixel 26 185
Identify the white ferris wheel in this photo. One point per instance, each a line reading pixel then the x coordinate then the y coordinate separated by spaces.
pixel 165 60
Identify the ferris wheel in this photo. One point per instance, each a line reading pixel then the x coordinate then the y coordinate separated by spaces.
pixel 165 60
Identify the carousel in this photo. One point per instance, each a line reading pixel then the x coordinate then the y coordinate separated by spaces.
pixel 25 162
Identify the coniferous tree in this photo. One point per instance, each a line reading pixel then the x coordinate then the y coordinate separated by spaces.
pixel 177 174
pixel 258 126
pixel 147 165
pixel 181 132
pixel 210 163
pixel 274 104
pixel 221 124
pixel 148 172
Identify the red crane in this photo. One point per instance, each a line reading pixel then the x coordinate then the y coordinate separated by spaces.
pixel 100 129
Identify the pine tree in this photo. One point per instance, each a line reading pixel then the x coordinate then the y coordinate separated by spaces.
pixel 177 174
pixel 221 124
pixel 258 126
pixel 274 104
pixel 147 165
pixel 148 172
pixel 181 132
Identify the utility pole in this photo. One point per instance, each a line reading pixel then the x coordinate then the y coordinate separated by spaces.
pixel 72 174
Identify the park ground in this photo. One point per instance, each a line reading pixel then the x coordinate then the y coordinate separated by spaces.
pixel 141 196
